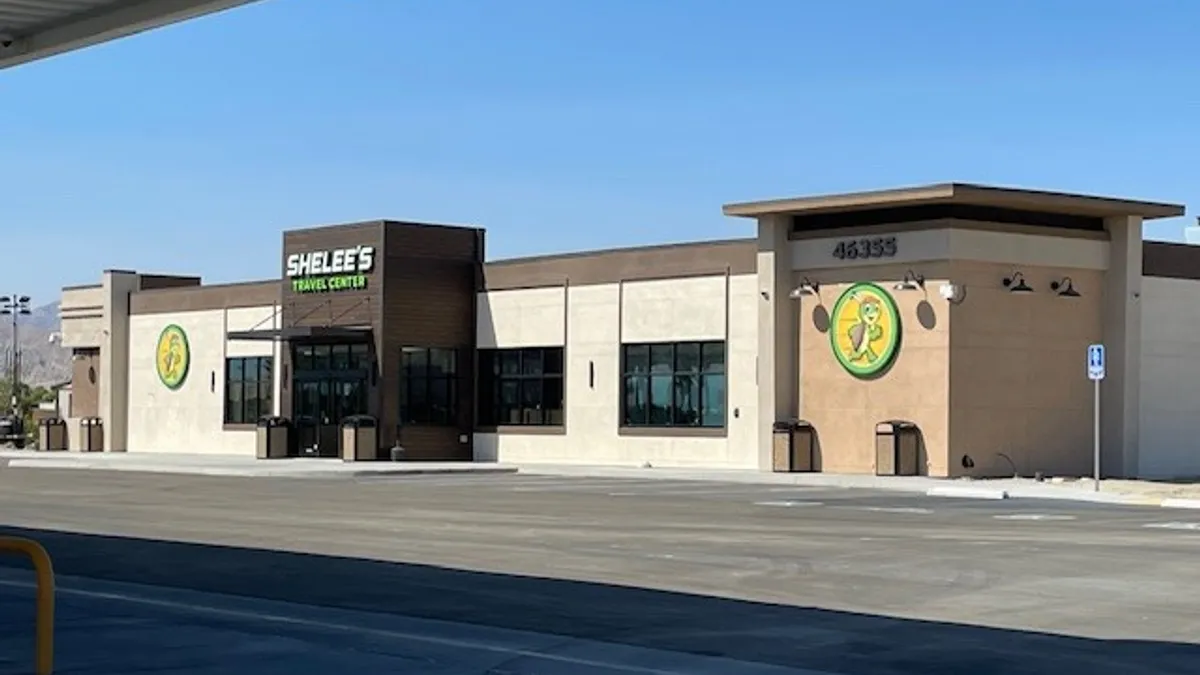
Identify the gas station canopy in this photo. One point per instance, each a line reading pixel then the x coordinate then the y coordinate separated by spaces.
pixel 35 29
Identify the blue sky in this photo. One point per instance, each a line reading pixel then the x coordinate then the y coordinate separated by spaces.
pixel 572 124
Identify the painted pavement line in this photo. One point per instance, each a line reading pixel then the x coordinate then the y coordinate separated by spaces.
pixel 788 503
pixel 887 509
pixel 967 492
pixel 1033 516
pixel 1174 526
pixel 401 635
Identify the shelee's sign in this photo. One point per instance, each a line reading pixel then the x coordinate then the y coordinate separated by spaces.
pixel 342 269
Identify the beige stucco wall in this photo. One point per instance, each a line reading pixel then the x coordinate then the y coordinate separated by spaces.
pixel 1170 371
pixel 81 310
pixel 1021 399
pixel 845 409
pixel 190 419
pixel 597 315
pixel 533 317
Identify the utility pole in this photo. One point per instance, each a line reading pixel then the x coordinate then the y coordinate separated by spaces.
pixel 15 306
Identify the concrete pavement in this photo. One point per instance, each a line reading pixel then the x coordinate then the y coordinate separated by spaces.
pixel 851 582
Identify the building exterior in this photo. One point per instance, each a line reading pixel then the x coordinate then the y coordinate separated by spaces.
pixel 955 316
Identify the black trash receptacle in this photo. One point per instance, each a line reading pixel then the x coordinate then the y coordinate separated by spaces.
pixel 897 449
pixel 272 437
pixel 52 434
pixel 358 440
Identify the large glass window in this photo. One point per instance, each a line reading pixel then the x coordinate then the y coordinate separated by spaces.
pixel 428 386
pixel 674 384
pixel 521 387
pixel 249 389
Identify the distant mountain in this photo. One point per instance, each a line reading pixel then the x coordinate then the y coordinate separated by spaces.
pixel 43 363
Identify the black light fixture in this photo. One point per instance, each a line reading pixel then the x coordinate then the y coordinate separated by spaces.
pixel 911 282
pixel 807 287
pixel 1016 283
pixel 1065 288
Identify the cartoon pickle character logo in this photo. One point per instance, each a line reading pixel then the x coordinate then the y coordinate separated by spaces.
pixel 865 329
pixel 172 357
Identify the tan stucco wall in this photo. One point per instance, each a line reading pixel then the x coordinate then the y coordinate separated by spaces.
pixel 1017 379
pixel 845 409
pixel 190 419
pixel 599 317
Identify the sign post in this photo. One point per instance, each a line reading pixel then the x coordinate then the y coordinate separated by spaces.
pixel 1095 372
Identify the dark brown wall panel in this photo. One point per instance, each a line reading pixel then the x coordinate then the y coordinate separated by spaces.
pixel 197 298
pixel 1176 261
pixel 85 383
pixel 631 264
pixel 431 275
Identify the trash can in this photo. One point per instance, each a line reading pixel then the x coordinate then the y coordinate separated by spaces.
pixel 358 438
pixel 781 446
pixel 92 433
pixel 897 449
pixel 804 445
pixel 52 434
pixel 271 437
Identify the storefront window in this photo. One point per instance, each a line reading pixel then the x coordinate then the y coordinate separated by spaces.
pixel 679 384
pixel 429 386
pixel 249 389
pixel 521 387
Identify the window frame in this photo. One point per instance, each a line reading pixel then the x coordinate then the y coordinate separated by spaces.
pixel 491 409
pixel 425 384
pixel 262 381
pixel 699 375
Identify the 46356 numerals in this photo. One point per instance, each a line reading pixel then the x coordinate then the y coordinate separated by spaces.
pixel 867 247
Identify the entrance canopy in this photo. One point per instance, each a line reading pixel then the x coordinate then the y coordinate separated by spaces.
pixel 35 29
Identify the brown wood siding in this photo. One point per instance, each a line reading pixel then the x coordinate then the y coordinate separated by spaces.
pixel 85 383
pixel 1171 260
pixel 430 278
pixel 198 298
pixel 149 282
pixel 739 256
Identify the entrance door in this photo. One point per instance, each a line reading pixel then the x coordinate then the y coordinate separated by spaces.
pixel 331 384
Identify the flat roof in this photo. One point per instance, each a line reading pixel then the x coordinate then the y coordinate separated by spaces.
pixel 959 193
pixel 37 29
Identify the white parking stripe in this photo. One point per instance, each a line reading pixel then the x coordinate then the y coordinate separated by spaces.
pixel 886 509
pixel 1033 516
pixel 788 503
pixel 1174 526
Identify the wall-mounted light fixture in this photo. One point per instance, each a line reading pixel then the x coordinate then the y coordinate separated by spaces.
pixel 911 282
pixel 953 293
pixel 807 287
pixel 1065 288
pixel 1016 283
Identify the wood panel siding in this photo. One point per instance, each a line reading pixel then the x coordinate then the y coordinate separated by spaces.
pixel 198 298
pixel 85 383
pixel 739 256
pixel 431 275
pixel 1171 260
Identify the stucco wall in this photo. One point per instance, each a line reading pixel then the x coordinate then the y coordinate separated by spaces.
pixel 1169 444
pixel 1022 401
pixel 190 419
pixel 596 315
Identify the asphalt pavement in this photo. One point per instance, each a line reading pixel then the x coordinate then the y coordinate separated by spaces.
pixel 522 574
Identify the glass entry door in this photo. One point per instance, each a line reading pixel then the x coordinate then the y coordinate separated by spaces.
pixel 331 383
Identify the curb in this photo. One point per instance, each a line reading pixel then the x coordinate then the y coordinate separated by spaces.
pixel 259 473
pixel 1180 503
pixel 967 492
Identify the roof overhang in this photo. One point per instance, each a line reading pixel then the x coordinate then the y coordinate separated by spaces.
pixel 959 193
pixel 36 29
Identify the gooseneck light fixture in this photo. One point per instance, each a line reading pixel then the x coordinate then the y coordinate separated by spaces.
pixel 1065 288
pixel 1016 283
pixel 911 282
pixel 807 287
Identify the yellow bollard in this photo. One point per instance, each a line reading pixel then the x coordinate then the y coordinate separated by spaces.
pixel 44 647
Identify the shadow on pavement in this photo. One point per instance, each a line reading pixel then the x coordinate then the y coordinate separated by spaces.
pixel 805 637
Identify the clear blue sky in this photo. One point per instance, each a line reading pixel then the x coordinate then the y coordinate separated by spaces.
pixel 572 124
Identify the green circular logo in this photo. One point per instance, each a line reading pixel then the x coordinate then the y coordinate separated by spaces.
pixel 172 357
pixel 864 329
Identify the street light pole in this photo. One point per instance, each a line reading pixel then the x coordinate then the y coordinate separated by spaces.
pixel 15 306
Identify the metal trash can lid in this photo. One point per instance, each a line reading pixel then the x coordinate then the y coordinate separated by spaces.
pixel 359 422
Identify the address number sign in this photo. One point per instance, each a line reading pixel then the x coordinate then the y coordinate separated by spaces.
pixel 866 247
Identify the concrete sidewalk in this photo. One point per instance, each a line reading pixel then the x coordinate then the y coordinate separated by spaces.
pixel 1127 492
pixel 233 465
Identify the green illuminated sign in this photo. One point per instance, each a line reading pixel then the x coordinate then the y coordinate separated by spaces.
pixel 343 269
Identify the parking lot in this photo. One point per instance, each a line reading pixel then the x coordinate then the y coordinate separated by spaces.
pixel 635 575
